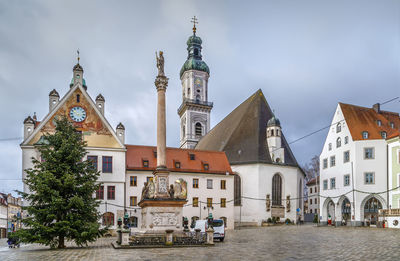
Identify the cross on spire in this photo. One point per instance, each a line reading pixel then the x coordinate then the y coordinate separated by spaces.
pixel 194 21
pixel 78 55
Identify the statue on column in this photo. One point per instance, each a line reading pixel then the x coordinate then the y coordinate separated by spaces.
pixel 160 64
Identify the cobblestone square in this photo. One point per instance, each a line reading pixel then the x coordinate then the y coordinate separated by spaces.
pixel 268 243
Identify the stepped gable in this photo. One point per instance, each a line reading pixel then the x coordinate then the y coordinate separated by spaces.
pixel 359 119
pixel 242 134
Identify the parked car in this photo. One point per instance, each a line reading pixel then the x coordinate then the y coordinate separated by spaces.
pixel 218 225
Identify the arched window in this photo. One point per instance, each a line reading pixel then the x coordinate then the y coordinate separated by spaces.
pixel 196 51
pixel 198 129
pixel 277 190
pixel 237 190
pixel 272 132
pixel 78 98
pixel 338 128
pixel 372 206
pixel 108 219
pixel 198 98
pixel 338 142
pixel 133 221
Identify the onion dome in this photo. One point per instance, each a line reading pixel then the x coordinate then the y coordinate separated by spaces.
pixel 54 93
pixel 100 98
pixel 194 60
pixel 78 67
pixel 273 122
pixel 120 126
pixel 29 120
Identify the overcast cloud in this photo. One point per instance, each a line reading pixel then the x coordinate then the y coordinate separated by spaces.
pixel 306 56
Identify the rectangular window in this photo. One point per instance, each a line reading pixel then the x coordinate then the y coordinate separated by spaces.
pixel 346 156
pixel 111 192
pixel 195 202
pixel 315 189
pixel 209 202
pixel 223 184
pixel 191 156
pixel 346 181
pixel 100 193
pixel 145 163
pixel 223 202
pixel 133 181
pixel 107 164
pixel 311 211
pixel 325 163
pixel 133 201
pixel 310 190
pixel 333 161
pixel 369 178
pixel 333 183
pixel 177 165
pixel 325 184
pixel 195 183
pixel 369 153
pixel 209 183
pixel 310 201
pixel 93 160
pixel 346 139
pixel 315 201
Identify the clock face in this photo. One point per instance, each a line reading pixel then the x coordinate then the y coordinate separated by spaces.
pixel 77 114
pixel 197 82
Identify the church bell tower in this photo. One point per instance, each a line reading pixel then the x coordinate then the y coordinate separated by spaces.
pixel 195 109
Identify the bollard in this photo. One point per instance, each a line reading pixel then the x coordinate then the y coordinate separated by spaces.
pixel 210 236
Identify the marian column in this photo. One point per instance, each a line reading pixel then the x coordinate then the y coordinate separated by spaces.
pixel 161 173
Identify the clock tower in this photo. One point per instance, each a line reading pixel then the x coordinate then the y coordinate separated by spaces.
pixel 195 109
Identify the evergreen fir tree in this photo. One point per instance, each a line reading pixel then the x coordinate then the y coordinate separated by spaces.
pixel 62 185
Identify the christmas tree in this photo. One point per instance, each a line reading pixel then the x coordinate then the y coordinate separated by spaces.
pixel 61 205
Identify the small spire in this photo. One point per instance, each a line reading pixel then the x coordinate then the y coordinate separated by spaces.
pixel 34 116
pixel 78 55
pixel 194 21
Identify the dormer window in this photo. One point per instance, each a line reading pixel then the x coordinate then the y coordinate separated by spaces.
pixel 383 134
pixel 338 128
pixel 392 125
pixel 365 134
pixel 145 163
pixel 191 156
pixel 379 122
pixel 206 166
pixel 177 165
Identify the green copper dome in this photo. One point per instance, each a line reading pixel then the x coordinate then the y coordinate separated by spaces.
pixel 194 60
pixel 194 64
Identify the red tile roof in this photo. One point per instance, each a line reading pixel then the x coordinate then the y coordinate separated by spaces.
pixel 312 181
pixel 216 160
pixel 361 119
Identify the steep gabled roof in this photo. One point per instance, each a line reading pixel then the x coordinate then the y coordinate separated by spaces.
pixel 361 119
pixel 216 160
pixel 242 134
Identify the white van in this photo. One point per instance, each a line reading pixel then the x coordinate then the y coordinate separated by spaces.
pixel 218 225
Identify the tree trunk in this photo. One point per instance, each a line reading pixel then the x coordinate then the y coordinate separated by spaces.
pixel 61 242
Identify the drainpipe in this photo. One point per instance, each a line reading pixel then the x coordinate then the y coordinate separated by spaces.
pixel 387 176
pixel 354 205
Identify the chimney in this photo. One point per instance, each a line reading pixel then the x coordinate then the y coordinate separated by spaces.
pixel 100 102
pixel 377 107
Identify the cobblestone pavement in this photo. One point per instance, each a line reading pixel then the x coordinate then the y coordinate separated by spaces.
pixel 267 243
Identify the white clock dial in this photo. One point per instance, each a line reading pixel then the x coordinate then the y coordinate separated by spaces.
pixel 77 114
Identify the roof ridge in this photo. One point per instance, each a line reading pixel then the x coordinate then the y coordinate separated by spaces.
pixel 175 148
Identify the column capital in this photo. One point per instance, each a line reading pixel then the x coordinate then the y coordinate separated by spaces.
pixel 161 83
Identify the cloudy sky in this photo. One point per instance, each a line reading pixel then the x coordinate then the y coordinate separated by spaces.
pixel 306 56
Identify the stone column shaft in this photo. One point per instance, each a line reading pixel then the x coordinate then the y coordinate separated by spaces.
pixel 161 84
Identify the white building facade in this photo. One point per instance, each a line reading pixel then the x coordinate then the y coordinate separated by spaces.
pixel 105 148
pixel 354 165
pixel 313 199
